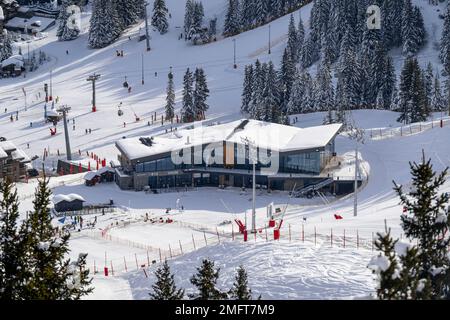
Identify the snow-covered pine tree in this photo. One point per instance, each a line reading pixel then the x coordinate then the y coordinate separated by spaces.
pixel 391 23
pixel 247 90
pixel 270 101
pixel 292 42
pixel 159 18
pixel 444 52
pixel 427 222
pixel 296 97
pixel 437 98
pixel 310 52
pixel 11 258
pixel 300 38
pixel 247 14
pixel 68 28
pixel 378 75
pixel 412 104
pixel 232 24
pixel 259 77
pixel 6 47
pixel 105 26
pixel 324 94
pixel 395 271
pixel 428 78
pixel 286 77
pixel 187 109
pixel 413 30
pixel 188 15
pixel 260 12
pixel 201 93
pixel 164 288
pixel 240 289
pixel 49 275
pixel 127 12
pixel 170 98
pixel 196 18
pixel 205 281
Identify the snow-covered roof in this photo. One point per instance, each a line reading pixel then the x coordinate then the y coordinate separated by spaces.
pixel 265 135
pixel 7 146
pixel 90 175
pixel 16 60
pixel 20 155
pixel 21 23
pixel 52 113
pixel 105 169
pixel 3 154
pixel 69 198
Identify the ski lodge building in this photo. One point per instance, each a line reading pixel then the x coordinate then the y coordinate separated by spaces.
pixel 13 162
pixel 299 158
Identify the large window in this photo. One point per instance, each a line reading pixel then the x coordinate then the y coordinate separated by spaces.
pixel 301 163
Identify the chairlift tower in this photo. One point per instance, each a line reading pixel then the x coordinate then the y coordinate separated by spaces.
pixel 93 78
pixel 252 156
pixel 64 110
pixel 147 36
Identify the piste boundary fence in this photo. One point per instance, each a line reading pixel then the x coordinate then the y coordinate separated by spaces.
pixel 149 255
pixel 406 130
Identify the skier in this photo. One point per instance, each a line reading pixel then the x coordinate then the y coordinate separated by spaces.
pixel 6 110
pixel 90 131
pixel 124 124
pixel 129 89
pixel 156 74
pixel 28 146
pixel 67 52
pixel 31 124
pixel 86 131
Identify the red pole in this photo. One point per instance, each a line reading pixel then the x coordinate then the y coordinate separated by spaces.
pixel 89 166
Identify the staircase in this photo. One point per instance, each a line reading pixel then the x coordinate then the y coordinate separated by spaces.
pixel 312 188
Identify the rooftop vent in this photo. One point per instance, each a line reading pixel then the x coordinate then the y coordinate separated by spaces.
pixel 146 141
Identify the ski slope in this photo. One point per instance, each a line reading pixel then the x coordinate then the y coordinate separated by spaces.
pixel 277 270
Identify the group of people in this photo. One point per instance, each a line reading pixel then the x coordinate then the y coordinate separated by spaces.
pixel 88 131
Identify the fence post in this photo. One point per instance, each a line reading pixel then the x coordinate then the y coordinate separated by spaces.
pixel 315 236
pixel 204 236
pixel 148 260
pixel 193 241
pixel 410 129
pixel 112 269
pixel 401 131
pixel 331 239
pixel 357 239
pixel 125 263
pixel 218 238
pixel 303 232
pixel 289 232
pixel 344 238
pixel 181 248
pixel 160 256
pixel 137 265
pixel 170 251
pixel 372 241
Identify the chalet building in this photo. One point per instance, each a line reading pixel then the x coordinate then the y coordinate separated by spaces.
pixel 13 162
pixel 301 158
pixel 70 202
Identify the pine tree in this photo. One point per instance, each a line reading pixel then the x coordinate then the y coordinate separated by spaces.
pixel 296 98
pixel 170 98
pixel 286 76
pixel 67 29
pixel 11 259
pixel 293 42
pixel 310 52
pixel 187 110
pixel 201 93
pixel 188 15
pixel 413 30
pixel 205 281
pixel 324 94
pixel 232 19
pixel 437 99
pixel 49 274
pixel 259 75
pixel 247 14
pixel 105 26
pixel 164 288
pixel 428 78
pixel 159 18
pixel 127 12
pixel 424 272
pixel 271 110
pixel 6 47
pixel 240 290
pixel 389 82
pixel 300 38
pixel 444 53
pixel 247 91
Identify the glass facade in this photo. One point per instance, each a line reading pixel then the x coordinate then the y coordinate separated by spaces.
pixel 302 162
